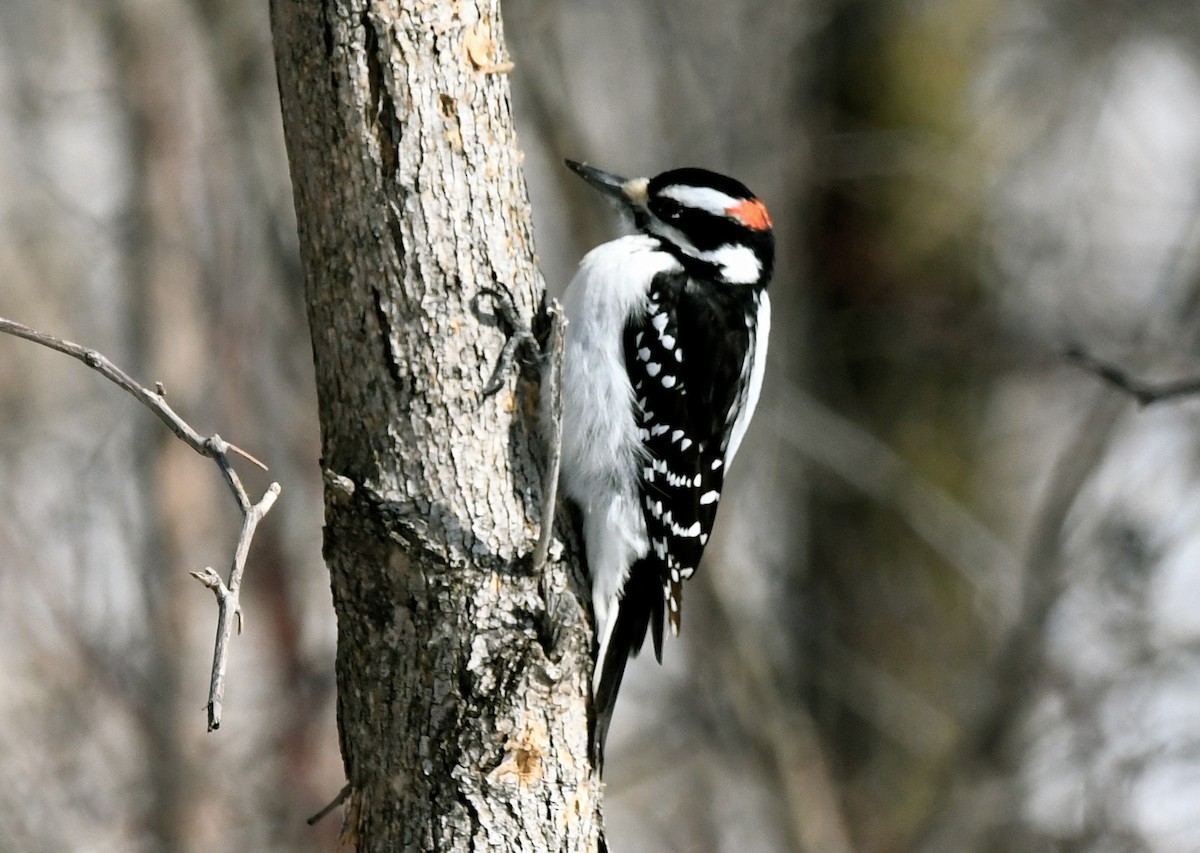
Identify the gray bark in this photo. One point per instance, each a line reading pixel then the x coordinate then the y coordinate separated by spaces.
pixel 462 675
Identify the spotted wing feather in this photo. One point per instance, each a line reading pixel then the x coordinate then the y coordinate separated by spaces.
pixel 684 358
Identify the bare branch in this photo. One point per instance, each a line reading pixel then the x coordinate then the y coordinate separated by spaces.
pixel 1144 392
pixel 153 400
pixel 215 448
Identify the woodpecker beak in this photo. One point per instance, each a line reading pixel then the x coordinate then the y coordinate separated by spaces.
pixel 631 191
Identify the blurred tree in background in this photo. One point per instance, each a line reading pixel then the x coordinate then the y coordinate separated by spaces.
pixel 952 602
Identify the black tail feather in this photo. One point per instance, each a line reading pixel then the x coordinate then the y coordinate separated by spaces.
pixel 641 607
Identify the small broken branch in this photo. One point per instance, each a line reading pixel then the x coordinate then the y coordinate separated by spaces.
pixel 552 386
pixel 333 804
pixel 214 447
pixel 1144 392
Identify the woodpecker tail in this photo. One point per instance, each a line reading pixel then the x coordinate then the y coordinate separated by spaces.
pixel 642 606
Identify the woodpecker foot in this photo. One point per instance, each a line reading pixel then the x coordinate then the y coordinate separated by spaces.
pixel 539 351
pixel 523 345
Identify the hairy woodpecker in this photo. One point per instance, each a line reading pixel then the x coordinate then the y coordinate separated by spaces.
pixel 665 349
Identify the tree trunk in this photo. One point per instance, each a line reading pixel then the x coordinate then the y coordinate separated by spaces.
pixel 462 676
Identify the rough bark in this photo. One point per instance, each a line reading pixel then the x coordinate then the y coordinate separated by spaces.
pixel 462 675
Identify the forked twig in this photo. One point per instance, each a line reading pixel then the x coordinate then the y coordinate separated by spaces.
pixel 215 448
pixel 229 605
pixel 1144 392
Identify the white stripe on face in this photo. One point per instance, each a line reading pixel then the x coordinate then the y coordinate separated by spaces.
pixel 738 264
pixel 702 198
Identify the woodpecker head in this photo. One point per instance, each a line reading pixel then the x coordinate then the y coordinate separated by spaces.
pixel 712 223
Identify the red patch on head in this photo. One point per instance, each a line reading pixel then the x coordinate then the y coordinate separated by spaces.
pixel 751 213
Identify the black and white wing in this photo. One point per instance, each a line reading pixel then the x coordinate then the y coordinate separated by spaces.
pixel 687 361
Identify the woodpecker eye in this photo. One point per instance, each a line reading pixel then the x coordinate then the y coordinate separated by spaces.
pixel 667 210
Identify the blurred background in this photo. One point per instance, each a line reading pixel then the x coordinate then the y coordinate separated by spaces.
pixel 954 599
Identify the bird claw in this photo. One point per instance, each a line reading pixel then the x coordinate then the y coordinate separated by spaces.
pixel 521 344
